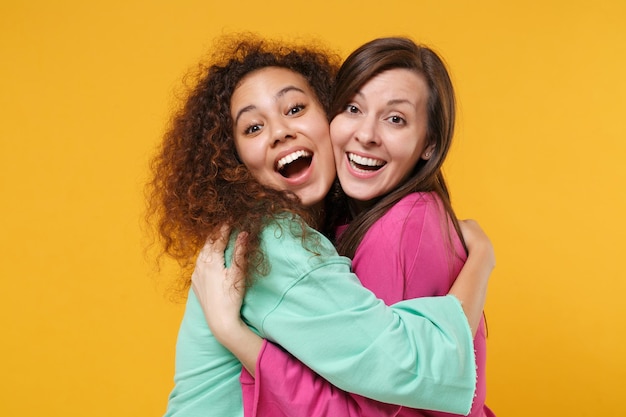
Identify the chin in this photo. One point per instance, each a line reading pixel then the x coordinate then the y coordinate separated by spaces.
pixel 312 198
pixel 310 201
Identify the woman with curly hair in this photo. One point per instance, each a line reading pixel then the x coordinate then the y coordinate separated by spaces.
pixel 250 149
pixel 394 114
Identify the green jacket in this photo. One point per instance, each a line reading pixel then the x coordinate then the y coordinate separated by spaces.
pixel 416 353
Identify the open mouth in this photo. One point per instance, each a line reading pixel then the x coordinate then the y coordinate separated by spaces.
pixel 363 164
pixel 294 164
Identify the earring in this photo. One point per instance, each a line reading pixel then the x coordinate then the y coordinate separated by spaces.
pixel 427 155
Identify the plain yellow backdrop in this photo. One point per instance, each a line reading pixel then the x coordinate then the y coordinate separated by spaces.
pixel 86 90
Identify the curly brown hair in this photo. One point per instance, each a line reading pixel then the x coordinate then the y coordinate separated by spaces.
pixel 198 182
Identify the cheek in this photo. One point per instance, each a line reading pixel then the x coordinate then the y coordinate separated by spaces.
pixel 338 133
pixel 250 156
pixel 321 135
pixel 411 146
pixel 405 154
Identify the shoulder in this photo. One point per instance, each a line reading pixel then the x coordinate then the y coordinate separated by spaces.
pixel 304 266
pixel 413 210
pixel 289 243
pixel 289 232
pixel 415 203
pixel 416 217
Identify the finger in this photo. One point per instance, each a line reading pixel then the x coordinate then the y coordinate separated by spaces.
pixel 220 239
pixel 215 246
pixel 240 248
pixel 206 253
pixel 235 272
pixel 468 226
pixel 225 232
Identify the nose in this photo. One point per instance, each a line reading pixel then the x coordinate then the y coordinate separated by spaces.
pixel 282 130
pixel 366 133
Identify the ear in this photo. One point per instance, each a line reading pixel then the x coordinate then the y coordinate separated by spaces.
pixel 428 152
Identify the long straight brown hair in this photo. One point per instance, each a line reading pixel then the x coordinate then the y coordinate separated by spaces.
pixel 362 65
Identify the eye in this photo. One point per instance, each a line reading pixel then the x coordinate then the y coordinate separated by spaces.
pixel 397 120
pixel 252 129
pixel 351 108
pixel 295 109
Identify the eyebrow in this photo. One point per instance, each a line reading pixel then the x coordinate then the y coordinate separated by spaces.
pixel 400 101
pixel 392 101
pixel 278 95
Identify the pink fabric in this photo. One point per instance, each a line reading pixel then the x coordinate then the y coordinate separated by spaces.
pixel 310 396
pixel 406 254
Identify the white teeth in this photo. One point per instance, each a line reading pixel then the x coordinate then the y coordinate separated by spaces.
pixel 292 157
pixel 357 159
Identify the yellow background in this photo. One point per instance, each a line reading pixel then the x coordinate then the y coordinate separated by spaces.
pixel 86 89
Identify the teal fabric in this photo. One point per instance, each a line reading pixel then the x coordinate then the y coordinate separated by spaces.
pixel 413 353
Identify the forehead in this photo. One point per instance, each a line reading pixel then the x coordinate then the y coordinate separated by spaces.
pixel 396 82
pixel 267 83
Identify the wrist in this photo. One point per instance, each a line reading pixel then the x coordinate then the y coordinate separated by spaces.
pixel 230 332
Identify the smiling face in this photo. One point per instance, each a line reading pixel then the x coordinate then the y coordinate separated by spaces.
pixel 381 134
pixel 281 133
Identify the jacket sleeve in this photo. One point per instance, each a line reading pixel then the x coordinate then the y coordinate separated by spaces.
pixel 418 353
pixel 285 387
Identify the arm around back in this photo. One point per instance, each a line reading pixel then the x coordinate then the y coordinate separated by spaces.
pixel 418 353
